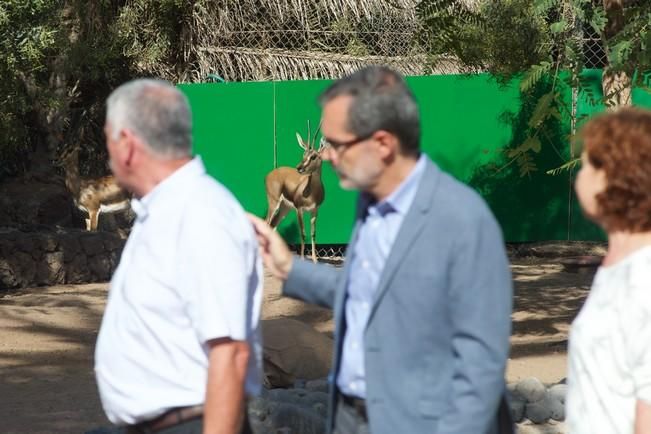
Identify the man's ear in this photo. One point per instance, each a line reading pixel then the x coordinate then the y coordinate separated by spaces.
pixel 133 147
pixel 388 143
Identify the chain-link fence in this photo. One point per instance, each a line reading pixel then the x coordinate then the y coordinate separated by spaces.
pixel 594 53
pixel 255 40
pixel 331 253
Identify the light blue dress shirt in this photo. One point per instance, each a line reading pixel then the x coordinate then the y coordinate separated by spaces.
pixel 372 246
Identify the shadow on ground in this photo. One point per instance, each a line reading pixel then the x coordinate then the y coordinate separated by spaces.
pixel 546 300
pixel 46 359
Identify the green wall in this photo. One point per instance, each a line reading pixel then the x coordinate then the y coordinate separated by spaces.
pixel 468 122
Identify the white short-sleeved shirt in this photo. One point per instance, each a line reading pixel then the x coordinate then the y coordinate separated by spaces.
pixel 189 272
pixel 610 349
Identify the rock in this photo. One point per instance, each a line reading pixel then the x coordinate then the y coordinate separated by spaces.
pixel 25 244
pixel 42 273
pixel 258 409
pixel 559 392
pixel 268 415
pixel 537 413
pixel 316 401
pixel 294 350
pixel 77 270
pixel 50 257
pixel 320 385
pixel 530 389
pixel 26 268
pixel 54 263
pixel 8 276
pixel 517 409
pixel 92 244
pixel 69 246
pixel 557 408
pixel 297 419
pixel 548 428
pixel 49 243
pixel 101 267
pixel 540 411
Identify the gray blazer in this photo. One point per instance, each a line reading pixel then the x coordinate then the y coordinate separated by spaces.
pixel 437 339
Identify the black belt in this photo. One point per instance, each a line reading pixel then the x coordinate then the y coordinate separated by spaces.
pixel 168 419
pixel 357 404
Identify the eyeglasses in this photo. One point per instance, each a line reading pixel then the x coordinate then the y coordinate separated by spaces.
pixel 338 146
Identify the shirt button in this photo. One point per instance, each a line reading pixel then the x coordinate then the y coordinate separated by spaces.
pixel 355 346
pixel 353 386
pixel 365 264
pixel 365 305
pixel 375 224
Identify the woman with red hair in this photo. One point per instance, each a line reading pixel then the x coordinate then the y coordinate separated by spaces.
pixel 609 378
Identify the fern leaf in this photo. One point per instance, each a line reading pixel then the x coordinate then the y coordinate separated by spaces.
pixel 526 165
pixel 542 110
pixel 620 53
pixel 598 20
pixel 534 74
pixel 585 88
pixel 542 7
pixel 430 8
pixel 565 167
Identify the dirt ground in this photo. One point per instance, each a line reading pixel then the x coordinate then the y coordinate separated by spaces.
pixel 48 336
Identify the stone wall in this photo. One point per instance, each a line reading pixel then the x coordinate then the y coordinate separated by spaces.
pixel 56 256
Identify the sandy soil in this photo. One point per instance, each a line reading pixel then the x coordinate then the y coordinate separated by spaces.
pixel 48 336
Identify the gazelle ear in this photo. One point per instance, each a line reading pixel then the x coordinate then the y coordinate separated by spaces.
pixel 301 143
pixel 323 143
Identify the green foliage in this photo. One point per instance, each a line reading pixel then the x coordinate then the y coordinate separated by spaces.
pixel 59 59
pixel 545 108
pixel 598 20
pixel 28 37
pixel 543 39
pixel 504 36
pixel 534 75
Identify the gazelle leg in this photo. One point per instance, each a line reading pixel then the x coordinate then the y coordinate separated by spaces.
pixel 94 217
pixel 281 211
pixel 274 206
pixel 301 226
pixel 313 234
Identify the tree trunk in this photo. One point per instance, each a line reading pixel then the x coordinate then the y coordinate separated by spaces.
pixel 51 104
pixel 616 85
pixel 617 89
pixel 48 121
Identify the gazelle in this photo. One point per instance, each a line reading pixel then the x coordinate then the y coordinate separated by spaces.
pixel 300 188
pixel 92 195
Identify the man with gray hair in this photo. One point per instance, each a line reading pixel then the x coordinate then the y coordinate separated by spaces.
pixel 422 305
pixel 179 349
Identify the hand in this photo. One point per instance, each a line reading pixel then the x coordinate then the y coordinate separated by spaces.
pixel 274 251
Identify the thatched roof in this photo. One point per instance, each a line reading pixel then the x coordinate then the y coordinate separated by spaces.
pixel 277 64
pixel 304 11
pixel 292 39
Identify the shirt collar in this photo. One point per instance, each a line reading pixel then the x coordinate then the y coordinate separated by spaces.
pixel 401 198
pixel 143 206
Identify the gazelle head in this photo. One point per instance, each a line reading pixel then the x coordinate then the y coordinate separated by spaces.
pixel 312 160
